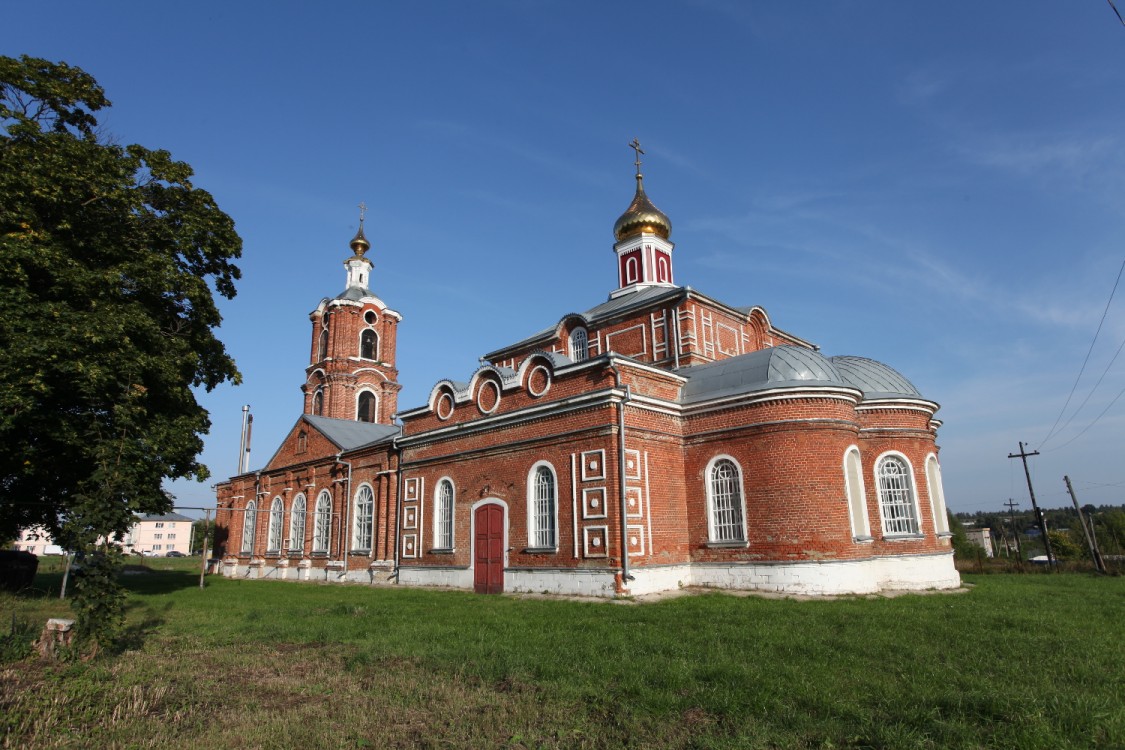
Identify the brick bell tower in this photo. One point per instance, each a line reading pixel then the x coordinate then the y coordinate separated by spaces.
pixel 351 372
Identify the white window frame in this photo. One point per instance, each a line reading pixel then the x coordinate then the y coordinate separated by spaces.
pixel 318 402
pixel 297 523
pixel 363 518
pixel 322 523
pixel 249 527
pixel 895 524
pixel 537 537
pixel 936 492
pixel 579 344
pixel 277 520
pixel 856 494
pixel 717 529
pixel 443 513
pixel 631 270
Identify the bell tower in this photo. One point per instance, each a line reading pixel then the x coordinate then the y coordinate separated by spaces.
pixel 644 251
pixel 352 372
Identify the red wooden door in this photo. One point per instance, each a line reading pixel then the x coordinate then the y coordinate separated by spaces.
pixel 488 550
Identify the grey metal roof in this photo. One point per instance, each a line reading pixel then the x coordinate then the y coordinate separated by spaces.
pixel 355 294
pixel 163 517
pixel 612 306
pixel 875 379
pixel 776 367
pixel 349 434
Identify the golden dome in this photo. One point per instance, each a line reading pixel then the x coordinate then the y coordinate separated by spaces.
pixel 642 216
pixel 359 243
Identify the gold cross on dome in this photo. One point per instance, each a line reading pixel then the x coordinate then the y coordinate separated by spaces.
pixel 636 146
pixel 362 211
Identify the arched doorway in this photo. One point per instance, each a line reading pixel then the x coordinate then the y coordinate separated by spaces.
pixel 488 548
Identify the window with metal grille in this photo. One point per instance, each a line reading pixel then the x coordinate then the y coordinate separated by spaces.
pixel 364 515
pixel 249 526
pixel 297 524
pixel 443 515
pixel 543 509
pixel 579 344
pixel 322 522
pixel 726 502
pixel 896 497
pixel 277 514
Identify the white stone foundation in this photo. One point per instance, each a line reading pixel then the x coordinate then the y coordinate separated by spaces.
pixel 823 578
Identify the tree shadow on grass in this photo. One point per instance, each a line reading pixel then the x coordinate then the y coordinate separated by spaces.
pixel 134 634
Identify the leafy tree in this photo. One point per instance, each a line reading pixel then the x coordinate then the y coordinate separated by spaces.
pixel 1065 546
pixel 109 260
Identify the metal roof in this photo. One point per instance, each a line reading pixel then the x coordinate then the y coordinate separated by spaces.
pixel 610 307
pixel 349 434
pixel 875 379
pixel 162 517
pixel 776 367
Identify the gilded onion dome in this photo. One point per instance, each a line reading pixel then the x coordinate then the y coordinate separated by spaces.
pixel 641 215
pixel 359 243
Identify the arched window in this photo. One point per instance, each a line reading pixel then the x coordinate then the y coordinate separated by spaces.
pixel 662 273
pixel 896 496
pixel 541 516
pixel 277 517
pixel 322 343
pixel 249 527
pixel 724 489
pixel 297 525
pixel 322 522
pixel 443 515
pixel 318 402
pixel 579 344
pixel 366 408
pixel 937 495
pixel 368 344
pixel 857 505
pixel 364 515
pixel 630 270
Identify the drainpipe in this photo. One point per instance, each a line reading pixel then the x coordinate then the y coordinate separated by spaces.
pixel 347 511
pixel 398 500
pixel 625 575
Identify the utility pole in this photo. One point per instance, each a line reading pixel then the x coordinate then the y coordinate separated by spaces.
pixel 1023 454
pixel 1089 542
pixel 1012 505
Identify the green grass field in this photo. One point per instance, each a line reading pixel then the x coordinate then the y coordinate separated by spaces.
pixel 1032 661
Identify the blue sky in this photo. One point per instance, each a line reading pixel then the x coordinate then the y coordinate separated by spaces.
pixel 938 186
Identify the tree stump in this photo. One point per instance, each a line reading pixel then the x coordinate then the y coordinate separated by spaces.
pixel 58 634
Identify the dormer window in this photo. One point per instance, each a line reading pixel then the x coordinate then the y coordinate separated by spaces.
pixel 579 344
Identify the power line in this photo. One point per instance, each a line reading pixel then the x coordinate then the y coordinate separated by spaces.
pixel 1116 12
pixel 1091 393
pixel 1090 351
pixel 1083 432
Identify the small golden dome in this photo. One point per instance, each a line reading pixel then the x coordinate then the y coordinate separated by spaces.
pixel 359 243
pixel 642 216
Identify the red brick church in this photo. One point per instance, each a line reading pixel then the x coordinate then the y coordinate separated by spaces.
pixel 660 439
